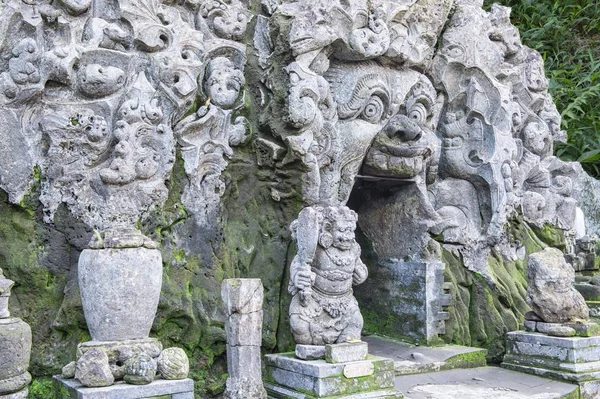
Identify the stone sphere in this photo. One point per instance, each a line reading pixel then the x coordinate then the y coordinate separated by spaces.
pixel 140 370
pixel 173 364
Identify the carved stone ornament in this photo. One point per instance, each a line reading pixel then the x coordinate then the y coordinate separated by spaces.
pixel 323 309
pixel 92 91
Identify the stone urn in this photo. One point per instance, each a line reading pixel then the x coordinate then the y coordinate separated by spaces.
pixel 120 278
pixel 15 348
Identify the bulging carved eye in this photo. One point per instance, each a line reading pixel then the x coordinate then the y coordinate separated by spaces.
pixel 373 110
pixel 418 113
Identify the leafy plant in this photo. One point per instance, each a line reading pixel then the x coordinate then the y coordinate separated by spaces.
pixel 567 34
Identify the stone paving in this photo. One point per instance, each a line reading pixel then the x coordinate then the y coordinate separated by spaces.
pixel 412 359
pixel 482 383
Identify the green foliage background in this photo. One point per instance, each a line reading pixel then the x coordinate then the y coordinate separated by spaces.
pixel 567 34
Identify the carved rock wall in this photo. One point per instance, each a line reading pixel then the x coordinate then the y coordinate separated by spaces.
pixel 208 125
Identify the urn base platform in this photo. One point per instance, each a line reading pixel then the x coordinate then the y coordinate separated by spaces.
pixel 171 389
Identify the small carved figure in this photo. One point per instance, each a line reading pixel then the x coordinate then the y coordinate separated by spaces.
pixel 551 294
pixel 23 64
pixel 371 38
pixel 228 19
pixel 328 264
pixel 206 136
pixel 99 81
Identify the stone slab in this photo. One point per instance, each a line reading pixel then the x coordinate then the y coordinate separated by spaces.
pixel 310 352
pixel 482 382
pixel 569 343
pixel 562 349
pixel 358 369
pixel 319 379
pixel 319 368
pixel 177 389
pixel 411 359
pixel 346 352
pixel 581 329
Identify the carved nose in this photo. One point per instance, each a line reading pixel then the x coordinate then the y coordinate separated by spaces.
pixel 403 128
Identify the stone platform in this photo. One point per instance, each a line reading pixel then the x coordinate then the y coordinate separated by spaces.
pixel 171 389
pixel 572 359
pixel 289 377
pixel 412 359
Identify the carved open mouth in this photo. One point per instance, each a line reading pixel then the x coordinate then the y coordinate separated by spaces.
pixel 409 152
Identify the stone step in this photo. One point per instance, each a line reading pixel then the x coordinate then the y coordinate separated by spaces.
pixel 412 359
pixel 483 382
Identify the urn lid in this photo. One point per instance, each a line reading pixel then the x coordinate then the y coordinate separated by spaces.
pixel 5 285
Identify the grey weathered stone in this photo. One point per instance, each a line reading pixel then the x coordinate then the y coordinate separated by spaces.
pixel 120 289
pixel 23 394
pixel 358 369
pixel 173 364
pixel 310 352
pixel 550 292
pixel 530 325
pixel 243 300
pixel 346 352
pixel 586 190
pixel 585 329
pixel 93 370
pixel 561 331
pixel 140 370
pixel 15 346
pixel 69 370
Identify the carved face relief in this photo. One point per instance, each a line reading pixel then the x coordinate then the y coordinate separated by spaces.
pixel 343 234
pixel 228 19
pixel 22 65
pixel 407 142
pixel 224 82
pixel 536 138
pixel 368 42
pixel 99 81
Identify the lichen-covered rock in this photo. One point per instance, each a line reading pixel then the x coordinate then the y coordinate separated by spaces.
pixel 69 370
pixel 173 364
pixel 93 370
pixel 550 293
pixel 140 370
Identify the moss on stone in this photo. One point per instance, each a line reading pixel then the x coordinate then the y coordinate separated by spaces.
pixel 466 360
pixel 484 309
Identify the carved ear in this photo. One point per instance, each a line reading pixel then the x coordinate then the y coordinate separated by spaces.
pixel 325 239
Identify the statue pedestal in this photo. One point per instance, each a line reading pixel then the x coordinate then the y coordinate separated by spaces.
pixel 289 377
pixel 572 359
pixel 172 389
